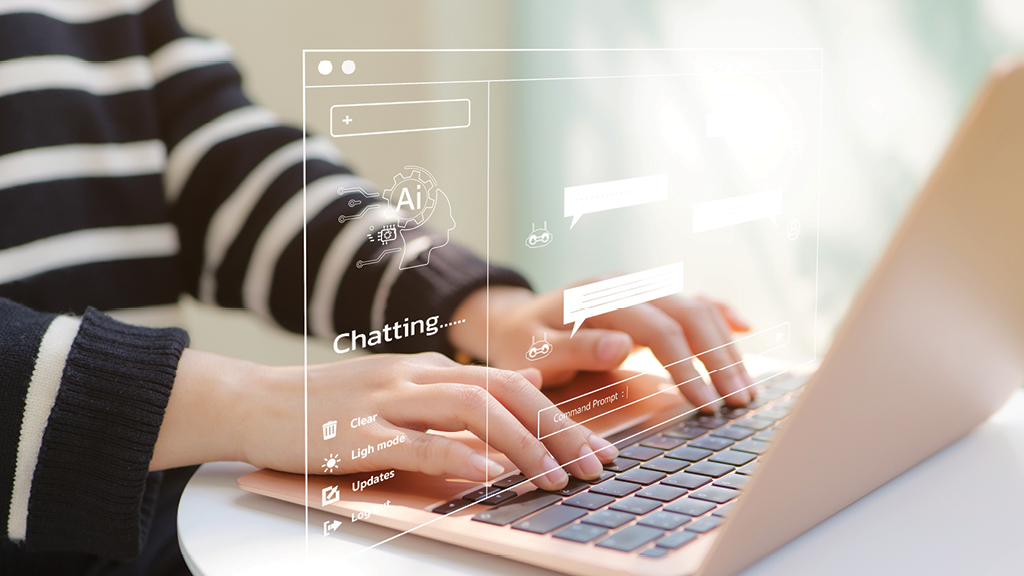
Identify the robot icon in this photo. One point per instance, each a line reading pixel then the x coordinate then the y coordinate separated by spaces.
pixel 539 238
pixel 539 349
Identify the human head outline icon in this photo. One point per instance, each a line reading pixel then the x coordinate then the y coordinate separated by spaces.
pixel 413 200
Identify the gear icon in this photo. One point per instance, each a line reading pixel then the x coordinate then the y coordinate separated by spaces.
pixel 412 198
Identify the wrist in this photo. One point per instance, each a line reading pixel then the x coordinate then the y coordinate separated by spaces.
pixel 209 411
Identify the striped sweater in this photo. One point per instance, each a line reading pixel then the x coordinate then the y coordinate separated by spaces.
pixel 133 169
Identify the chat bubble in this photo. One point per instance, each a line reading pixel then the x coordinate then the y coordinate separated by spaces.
pixel 736 210
pixel 589 300
pixel 589 198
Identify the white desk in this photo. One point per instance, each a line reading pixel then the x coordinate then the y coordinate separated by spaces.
pixel 959 512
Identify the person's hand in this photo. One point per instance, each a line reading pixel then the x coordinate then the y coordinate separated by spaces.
pixel 258 417
pixel 674 328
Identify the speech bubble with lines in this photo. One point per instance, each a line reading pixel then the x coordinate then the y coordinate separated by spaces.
pixel 580 200
pixel 598 298
pixel 737 210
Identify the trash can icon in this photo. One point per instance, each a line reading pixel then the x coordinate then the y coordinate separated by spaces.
pixel 330 429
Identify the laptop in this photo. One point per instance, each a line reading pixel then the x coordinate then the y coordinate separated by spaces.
pixel 932 346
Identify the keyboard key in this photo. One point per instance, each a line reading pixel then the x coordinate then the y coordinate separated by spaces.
pixel 609 518
pixel 734 481
pixel 581 533
pixel 685 432
pixel 606 475
pixel 574 486
pixel 634 505
pixel 689 453
pixel 655 552
pixel 708 421
pixel 509 481
pixel 621 465
pixel 673 541
pixel 690 507
pixel 589 501
pixel 450 506
pixel 724 511
pixel 755 423
pixel 714 494
pixel 666 465
pixel 752 446
pixel 641 476
pixel 631 538
pixel 615 489
pixel 639 453
pixel 704 524
pixel 482 493
pixel 732 458
pixel 713 443
pixel 713 469
pixel 499 498
pixel 662 442
pixel 661 493
pixel 550 519
pixel 749 469
pixel 664 520
pixel 767 435
pixel 684 480
pixel 517 508
pixel 732 413
pixel 734 432
pixel 775 413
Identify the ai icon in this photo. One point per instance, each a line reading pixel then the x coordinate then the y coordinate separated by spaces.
pixel 539 238
pixel 539 349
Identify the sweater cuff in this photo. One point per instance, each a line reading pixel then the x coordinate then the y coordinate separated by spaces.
pixel 91 485
pixel 437 289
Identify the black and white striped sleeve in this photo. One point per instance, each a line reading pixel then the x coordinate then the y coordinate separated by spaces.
pixel 234 180
pixel 81 403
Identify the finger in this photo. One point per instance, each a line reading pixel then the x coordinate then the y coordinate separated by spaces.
pixel 456 407
pixel 533 376
pixel 735 321
pixel 726 333
pixel 707 333
pixel 586 350
pixel 649 326
pixel 435 455
pixel 568 444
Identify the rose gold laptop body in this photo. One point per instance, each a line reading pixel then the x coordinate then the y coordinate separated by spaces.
pixel 933 345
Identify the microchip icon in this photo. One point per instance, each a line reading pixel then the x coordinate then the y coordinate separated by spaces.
pixel 387 234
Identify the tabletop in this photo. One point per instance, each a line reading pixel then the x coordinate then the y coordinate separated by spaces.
pixel 961 511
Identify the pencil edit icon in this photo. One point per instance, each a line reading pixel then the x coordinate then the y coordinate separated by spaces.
pixel 329 495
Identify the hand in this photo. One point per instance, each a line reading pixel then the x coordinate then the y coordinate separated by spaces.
pixel 674 328
pixel 224 409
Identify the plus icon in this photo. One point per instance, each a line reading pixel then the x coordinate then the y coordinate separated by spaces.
pixel 346 120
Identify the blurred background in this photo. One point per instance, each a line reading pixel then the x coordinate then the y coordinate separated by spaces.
pixel 897 77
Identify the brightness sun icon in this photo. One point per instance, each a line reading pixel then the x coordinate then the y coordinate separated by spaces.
pixel 330 463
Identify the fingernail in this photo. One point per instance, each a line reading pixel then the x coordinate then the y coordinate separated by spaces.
pixel 554 472
pixel 611 347
pixel 590 466
pixel 602 447
pixel 486 465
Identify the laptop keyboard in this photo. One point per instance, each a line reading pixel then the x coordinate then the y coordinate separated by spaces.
pixel 665 490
